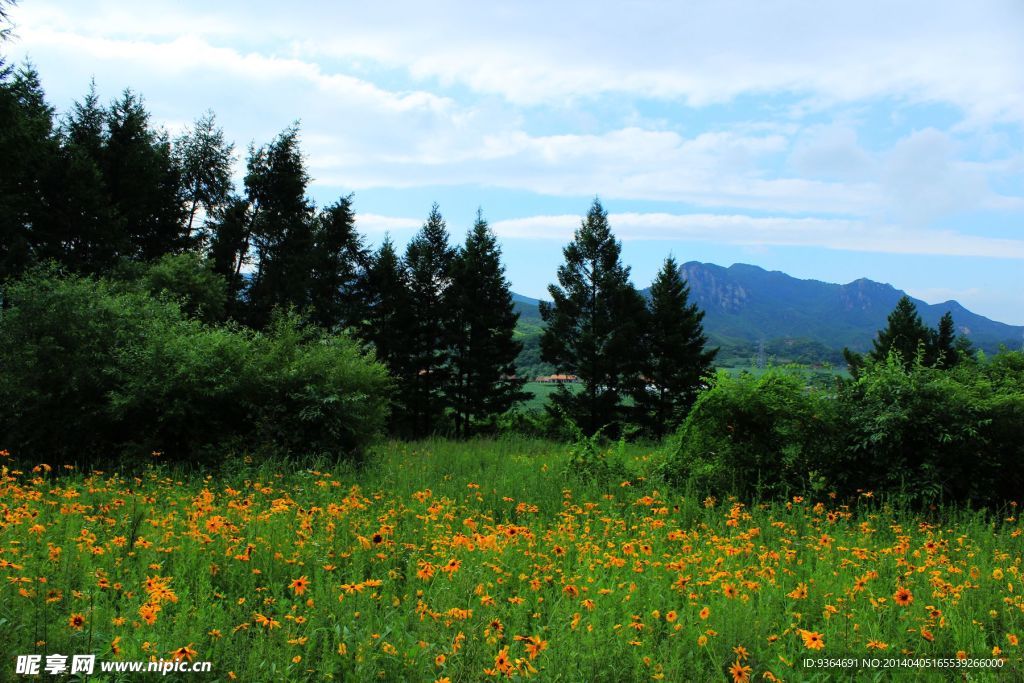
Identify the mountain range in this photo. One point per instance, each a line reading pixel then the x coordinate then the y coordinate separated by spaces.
pixel 745 305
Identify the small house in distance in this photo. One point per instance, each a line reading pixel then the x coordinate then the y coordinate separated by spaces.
pixel 557 379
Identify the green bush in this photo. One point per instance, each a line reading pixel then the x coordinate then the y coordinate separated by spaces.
pixel 320 395
pixel 930 435
pixel 60 342
pixel 916 432
pixel 761 436
pixel 92 372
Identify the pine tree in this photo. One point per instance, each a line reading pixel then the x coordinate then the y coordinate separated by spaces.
pixel 905 334
pixel 913 341
pixel 675 357
pixel 87 235
pixel 482 382
pixel 428 259
pixel 338 268
pixel 387 324
pixel 942 352
pixel 229 248
pixel 143 181
pixel 280 227
pixel 593 325
pixel 28 149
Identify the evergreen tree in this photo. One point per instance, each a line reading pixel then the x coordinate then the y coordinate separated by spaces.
pixel 87 235
pixel 387 324
pixel 143 181
pixel 205 158
pixel 593 325
pixel 943 351
pixel 28 150
pixel 912 340
pixel 482 381
pixel 428 259
pixel 339 261
pixel 675 357
pixel 280 227
pixel 905 334
pixel 5 30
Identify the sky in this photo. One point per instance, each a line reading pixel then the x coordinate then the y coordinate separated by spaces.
pixel 828 140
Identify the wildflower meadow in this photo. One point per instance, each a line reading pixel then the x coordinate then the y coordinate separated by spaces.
pixel 489 560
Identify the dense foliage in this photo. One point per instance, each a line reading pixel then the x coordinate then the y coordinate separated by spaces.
pixel 920 433
pixel 102 192
pixel 94 370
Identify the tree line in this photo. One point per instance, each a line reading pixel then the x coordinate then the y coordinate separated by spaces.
pixel 103 192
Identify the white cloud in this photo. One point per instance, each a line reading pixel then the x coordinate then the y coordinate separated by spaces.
pixel 831 152
pixel 703 51
pixel 845 235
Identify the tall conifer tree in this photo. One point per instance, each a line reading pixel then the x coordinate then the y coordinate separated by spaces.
pixel 675 353
pixel 280 227
pixel 428 259
pixel 28 151
pixel 904 334
pixel 338 268
pixel 593 325
pixel 482 382
pixel 387 324
pixel 143 181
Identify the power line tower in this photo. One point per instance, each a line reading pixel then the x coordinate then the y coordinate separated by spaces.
pixel 762 356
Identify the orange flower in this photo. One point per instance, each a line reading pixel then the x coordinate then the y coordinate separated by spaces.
pixel 705 613
pixel 740 673
pixel 903 597
pixel 148 612
pixel 266 622
pixel 299 585
pixel 501 662
pixel 671 616
pixel 798 593
pixel 186 652
pixel 812 640
pixel 534 645
pixel 76 621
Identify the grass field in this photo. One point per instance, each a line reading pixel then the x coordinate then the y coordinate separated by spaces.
pixel 480 560
pixel 541 391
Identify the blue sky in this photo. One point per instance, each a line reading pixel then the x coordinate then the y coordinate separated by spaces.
pixel 828 140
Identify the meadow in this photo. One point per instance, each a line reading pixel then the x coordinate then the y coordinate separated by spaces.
pixel 447 561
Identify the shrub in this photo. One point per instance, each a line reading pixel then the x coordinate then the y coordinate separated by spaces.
pixel 914 431
pixel 320 393
pixel 91 372
pixel 58 342
pixel 762 436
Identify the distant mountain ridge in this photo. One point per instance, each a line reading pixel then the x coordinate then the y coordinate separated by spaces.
pixel 744 304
